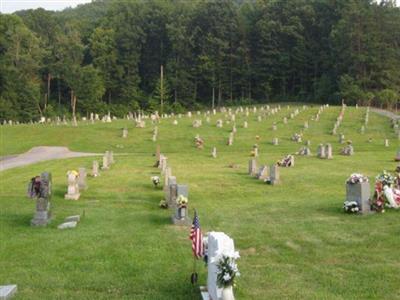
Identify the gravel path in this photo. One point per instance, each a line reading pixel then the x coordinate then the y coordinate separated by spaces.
pixel 386 113
pixel 38 154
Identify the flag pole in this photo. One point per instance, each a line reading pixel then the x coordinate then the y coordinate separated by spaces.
pixel 193 277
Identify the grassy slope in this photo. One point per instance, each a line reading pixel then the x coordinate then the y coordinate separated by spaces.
pixel 294 240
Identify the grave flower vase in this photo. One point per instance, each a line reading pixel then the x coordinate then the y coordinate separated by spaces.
pixel 227 293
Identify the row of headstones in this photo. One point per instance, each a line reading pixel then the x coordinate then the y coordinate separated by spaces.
pixel 216 243
pixel 339 120
pixel 41 189
pixel 173 191
pixel 76 183
pixel 269 174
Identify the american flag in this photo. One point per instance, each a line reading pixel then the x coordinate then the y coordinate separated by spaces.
pixel 197 237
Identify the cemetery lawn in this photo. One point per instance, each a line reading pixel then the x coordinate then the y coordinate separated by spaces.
pixel 294 240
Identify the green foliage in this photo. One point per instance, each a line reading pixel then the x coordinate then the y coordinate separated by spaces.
pixel 213 52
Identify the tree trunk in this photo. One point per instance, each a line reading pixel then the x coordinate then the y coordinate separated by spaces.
pixel 59 93
pixel 73 107
pixel 213 97
pixel 249 92
pixel 219 92
pixel 162 90
pixel 109 97
pixel 48 91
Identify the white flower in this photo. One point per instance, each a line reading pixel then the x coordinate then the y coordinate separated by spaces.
pixel 227 277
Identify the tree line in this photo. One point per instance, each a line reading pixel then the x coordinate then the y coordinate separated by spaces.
pixel 171 55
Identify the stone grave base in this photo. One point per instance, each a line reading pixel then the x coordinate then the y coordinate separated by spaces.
pixel 7 291
pixel 204 293
pixel 67 225
pixel 72 197
pixel 181 222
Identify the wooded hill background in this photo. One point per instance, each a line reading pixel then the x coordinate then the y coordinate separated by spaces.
pixel 108 54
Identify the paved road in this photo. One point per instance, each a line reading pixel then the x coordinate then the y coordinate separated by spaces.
pixel 38 154
pixel 386 113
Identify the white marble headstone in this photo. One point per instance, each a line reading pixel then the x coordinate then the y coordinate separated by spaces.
pixel 218 244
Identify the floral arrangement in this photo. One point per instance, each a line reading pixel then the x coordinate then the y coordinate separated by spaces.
pixel 356 178
pixel 156 180
pixel 296 137
pixel 385 178
pixel 163 204
pixel 181 201
pixel 227 270
pixel 351 207
pixel 75 173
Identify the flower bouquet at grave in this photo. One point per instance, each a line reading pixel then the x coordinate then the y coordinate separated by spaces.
pixel 34 187
pixel 385 178
pixel 356 178
pixel 254 152
pixel 182 201
pixel 286 161
pixel 198 142
pixel 227 270
pixel 351 207
pixel 163 204
pixel 385 195
pixel 296 137
pixel 155 180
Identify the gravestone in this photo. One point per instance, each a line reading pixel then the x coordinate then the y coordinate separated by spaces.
pixel 67 225
pixel 263 173
pixel 245 124
pixel 82 179
pixel 167 174
pixel 360 193
pixel 158 153
pixel 230 140
pixel 341 138
pixel 214 152
pixel 275 141
pixel 125 133
pixel 161 162
pixel 397 158
pixel 7 291
pixel 321 151
pixel 386 143
pixel 182 189
pixel 255 151
pixel 362 130
pixel 252 167
pixel 173 189
pixel 95 169
pixel 73 187
pixel 105 165
pixel 328 151
pixel 181 212
pixel 42 215
pixel 111 157
pixel 170 194
pixel 306 125
pixel 274 174
pixel 218 244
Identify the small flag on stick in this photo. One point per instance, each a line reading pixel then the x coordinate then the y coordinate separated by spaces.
pixel 197 237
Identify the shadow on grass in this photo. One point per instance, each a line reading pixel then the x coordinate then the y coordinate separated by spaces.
pixel 18 220
pixel 161 220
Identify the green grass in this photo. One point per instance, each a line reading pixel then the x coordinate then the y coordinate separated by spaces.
pixel 294 240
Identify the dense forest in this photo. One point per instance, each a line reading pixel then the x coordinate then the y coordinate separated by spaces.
pixel 171 55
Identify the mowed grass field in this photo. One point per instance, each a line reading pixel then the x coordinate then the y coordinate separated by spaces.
pixel 295 242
